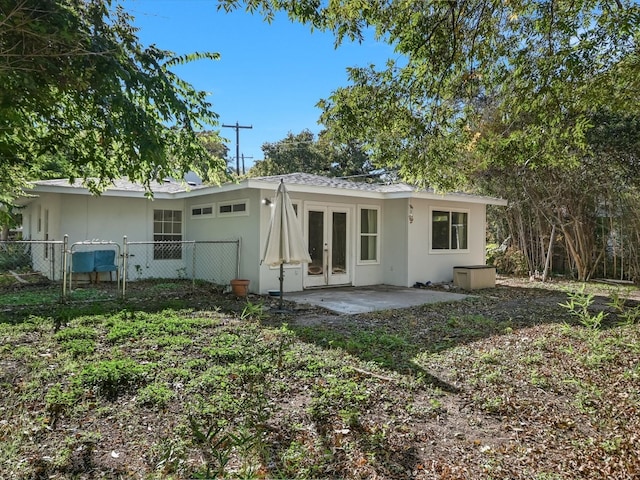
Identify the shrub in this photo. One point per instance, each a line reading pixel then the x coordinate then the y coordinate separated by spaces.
pixel 15 257
pixel 510 261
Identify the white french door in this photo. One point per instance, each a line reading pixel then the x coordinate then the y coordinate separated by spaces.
pixel 327 234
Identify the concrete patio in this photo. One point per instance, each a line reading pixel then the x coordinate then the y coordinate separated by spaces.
pixel 353 300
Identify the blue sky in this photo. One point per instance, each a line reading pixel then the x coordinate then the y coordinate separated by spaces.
pixel 269 76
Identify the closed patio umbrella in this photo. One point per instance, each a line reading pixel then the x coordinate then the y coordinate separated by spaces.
pixel 285 243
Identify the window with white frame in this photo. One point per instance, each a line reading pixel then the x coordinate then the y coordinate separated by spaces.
pixel 449 230
pixel 167 227
pixel 233 208
pixel 202 211
pixel 369 219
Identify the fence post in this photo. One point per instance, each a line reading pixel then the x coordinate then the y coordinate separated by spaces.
pixel 65 263
pixel 193 266
pixel 125 255
pixel 238 250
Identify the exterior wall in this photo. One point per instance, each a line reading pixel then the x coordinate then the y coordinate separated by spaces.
pixel 294 275
pixel 87 217
pixel 426 265
pixel 42 223
pixel 269 277
pixel 404 253
pixel 247 228
pixel 43 216
pixel 105 218
pixel 137 224
pixel 395 256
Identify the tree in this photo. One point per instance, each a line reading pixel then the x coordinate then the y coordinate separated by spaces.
pixel 76 84
pixel 593 206
pixel 549 62
pixel 295 153
pixel 209 169
pixel 504 90
pixel 348 159
pixel 303 153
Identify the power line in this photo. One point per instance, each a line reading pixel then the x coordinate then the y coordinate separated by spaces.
pixel 237 126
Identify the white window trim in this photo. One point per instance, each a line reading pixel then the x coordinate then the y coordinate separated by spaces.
pixel 448 251
pixel 359 261
pixel 182 235
pixel 233 202
pixel 203 215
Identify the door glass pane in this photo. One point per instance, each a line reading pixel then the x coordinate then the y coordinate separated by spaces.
pixel 339 243
pixel 316 239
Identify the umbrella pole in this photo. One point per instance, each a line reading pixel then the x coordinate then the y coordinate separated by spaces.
pixel 281 282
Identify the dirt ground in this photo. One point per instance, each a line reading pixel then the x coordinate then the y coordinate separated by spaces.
pixel 505 385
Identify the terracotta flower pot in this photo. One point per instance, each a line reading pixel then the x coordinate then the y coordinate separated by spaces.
pixel 240 287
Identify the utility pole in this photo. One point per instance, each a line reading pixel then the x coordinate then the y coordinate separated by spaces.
pixel 237 126
pixel 243 157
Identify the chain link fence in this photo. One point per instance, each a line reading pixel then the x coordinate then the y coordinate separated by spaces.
pixel 215 262
pixel 31 272
pixel 41 272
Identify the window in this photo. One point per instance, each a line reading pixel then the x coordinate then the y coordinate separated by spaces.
pixel 449 230
pixel 234 208
pixel 201 211
pixel 167 227
pixel 369 235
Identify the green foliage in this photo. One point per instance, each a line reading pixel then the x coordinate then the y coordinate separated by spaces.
pixel 246 400
pixel 629 315
pixel 297 462
pixel 336 394
pixel 295 153
pixel 14 256
pixel 80 93
pixel 79 347
pixel 540 68
pixel 510 261
pixel 578 304
pixel 385 349
pixel 217 446
pixel 155 395
pixel 252 311
pixel 75 333
pixel 58 401
pixel 226 348
pixel 112 377
pixel 303 153
pixel 30 297
pixel 167 323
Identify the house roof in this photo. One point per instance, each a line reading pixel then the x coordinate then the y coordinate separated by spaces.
pixel 296 182
pixel 119 185
pixel 334 182
pixel 306 182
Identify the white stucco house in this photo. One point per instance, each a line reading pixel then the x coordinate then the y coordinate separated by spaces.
pixel 357 233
